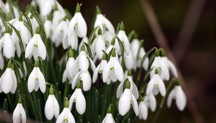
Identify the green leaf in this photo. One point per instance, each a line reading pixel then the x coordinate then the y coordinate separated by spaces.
pixel 89 50
pixel 91 37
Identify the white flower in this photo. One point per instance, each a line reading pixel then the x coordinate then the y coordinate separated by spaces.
pixel 36 80
pixel 129 60
pixel 125 101
pixel 170 66
pixel 103 23
pixel 133 88
pixel 79 100
pixel 48 28
pixel 143 110
pixel 51 108
pixel 19 115
pixel 113 69
pixel 60 32
pixel 34 22
pixel 36 48
pixel 108 36
pixel 68 72
pixel 108 118
pixel 99 45
pixel 150 102
pixel 86 80
pixel 155 86
pixel 65 116
pixel 8 81
pixel 100 69
pixel 47 7
pixel 8 46
pixel 57 16
pixel 78 24
pixel 70 40
pixel 163 69
pixel 178 94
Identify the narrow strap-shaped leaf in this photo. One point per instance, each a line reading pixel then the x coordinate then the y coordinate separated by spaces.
pixel 89 50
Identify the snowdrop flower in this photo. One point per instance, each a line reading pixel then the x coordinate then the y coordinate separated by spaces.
pixel 99 45
pixel 68 72
pixel 150 102
pixel 19 115
pixel 36 79
pixel 178 94
pixel 79 100
pixel 113 69
pixel 57 16
pixel 100 69
pixel 78 24
pixel 129 60
pixel 143 110
pixel 36 47
pixel 48 26
pixel 70 40
pixel 168 63
pixel 109 117
pixel 60 32
pixel 7 45
pixel 133 86
pixel 103 22
pixel 8 80
pixel 47 7
pixel 51 108
pixel 124 39
pixel 108 36
pixel 125 101
pixel 138 53
pixel 156 85
pixel 66 116
pixel 158 63
pixel 86 80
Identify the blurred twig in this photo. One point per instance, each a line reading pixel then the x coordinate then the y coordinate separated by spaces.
pixel 162 42
pixel 188 28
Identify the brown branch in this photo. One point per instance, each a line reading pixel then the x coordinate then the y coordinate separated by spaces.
pixel 162 42
pixel 188 28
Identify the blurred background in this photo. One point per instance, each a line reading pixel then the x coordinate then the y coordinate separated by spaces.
pixel 193 44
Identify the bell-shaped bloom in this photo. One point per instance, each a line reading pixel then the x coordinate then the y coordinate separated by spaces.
pixel 178 94
pixel 36 48
pixel 150 102
pixel 48 28
pixel 8 81
pixel 60 32
pixel 86 79
pixel 129 60
pixel 125 41
pixel 57 17
pixel 133 88
pixel 139 54
pixel 70 40
pixel 103 23
pixel 51 108
pixel 78 24
pixel 108 36
pixel 143 110
pixel 66 116
pixel 36 80
pixel 170 66
pixel 155 86
pixel 99 69
pixel 47 7
pixel 113 69
pixel 98 46
pixel 126 100
pixel 19 115
pixel 108 118
pixel 163 71
pixel 79 100
pixel 68 72
pixel 7 45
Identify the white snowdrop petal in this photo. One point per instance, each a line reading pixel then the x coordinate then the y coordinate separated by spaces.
pixel 56 107
pixel 153 102
pixel 42 82
pixel 49 109
pixel 143 112
pixel 82 26
pixel 135 105
pixel 80 102
pixel 170 98
pixel 75 80
pixel 83 61
pixel 173 68
pixel 108 25
pixel 162 87
pixel 7 81
pixel 95 75
pixel 31 80
pixel 120 90
pixel 118 71
pixel 150 86
pixel 14 83
pixel 8 48
pixel 41 49
pixel 30 48
pixel 124 102
pixel 86 79
pixel 180 98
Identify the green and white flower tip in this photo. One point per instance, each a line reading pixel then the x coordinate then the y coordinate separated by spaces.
pixel 36 79
pixel 8 80
pixel 51 108
pixel 178 94
pixel 78 98
pixel 126 100
pixel 109 117
pixel 19 114
pixel 66 115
